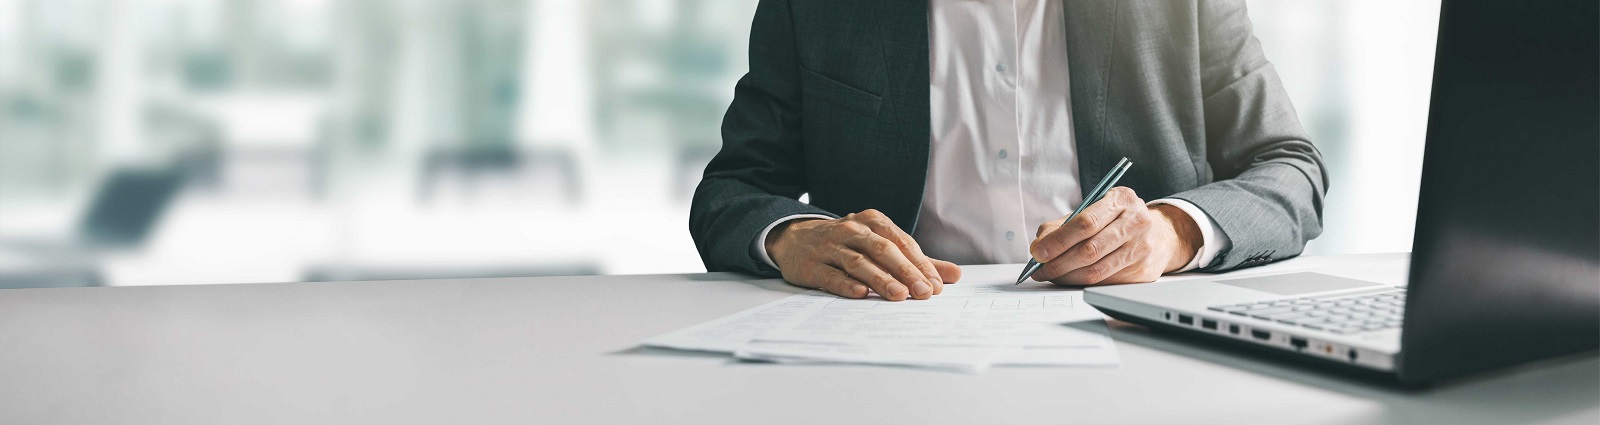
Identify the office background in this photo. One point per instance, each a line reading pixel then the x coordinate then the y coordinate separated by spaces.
pixel 152 142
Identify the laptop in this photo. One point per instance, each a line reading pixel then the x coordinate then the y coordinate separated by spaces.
pixel 1505 267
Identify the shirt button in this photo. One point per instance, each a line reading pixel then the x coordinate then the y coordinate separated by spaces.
pixel 1000 67
pixel 1010 235
pixel 1002 154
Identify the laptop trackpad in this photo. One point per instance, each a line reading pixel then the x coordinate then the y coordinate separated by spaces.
pixel 1297 283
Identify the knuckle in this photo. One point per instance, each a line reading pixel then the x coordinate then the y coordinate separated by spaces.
pixel 1096 273
pixel 855 227
pixel 1092 248
pixel 872 213
pixel 1086 222
pixel 835 281
pixel 852 258
pixel 1113 233
pixel 902 240
pixel 910 271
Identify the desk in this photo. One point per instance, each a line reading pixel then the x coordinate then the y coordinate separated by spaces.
pixel 562 350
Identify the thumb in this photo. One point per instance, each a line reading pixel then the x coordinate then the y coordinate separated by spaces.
pixel 1044 229
pixel 947 270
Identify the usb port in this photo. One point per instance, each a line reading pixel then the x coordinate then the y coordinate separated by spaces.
pixel 1185 319
pixel 1297 342
pixel 1208 324
pixel 1260 334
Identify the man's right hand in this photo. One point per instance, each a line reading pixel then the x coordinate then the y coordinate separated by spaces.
pixel 849 255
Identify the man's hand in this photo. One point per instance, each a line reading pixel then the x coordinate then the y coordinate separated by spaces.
pixel 859 251
pixel 1116 240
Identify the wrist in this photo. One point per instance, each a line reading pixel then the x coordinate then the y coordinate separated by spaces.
pixel 776 235
pixel 1187 238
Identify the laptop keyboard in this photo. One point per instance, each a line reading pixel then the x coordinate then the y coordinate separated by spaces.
pixel 1340 314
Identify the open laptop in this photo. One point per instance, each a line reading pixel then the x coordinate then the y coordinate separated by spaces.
pixel 1506 261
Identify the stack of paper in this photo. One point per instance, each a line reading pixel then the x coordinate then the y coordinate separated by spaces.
pixel 969 327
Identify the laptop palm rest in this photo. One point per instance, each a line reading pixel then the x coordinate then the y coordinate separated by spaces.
pixel 1297 283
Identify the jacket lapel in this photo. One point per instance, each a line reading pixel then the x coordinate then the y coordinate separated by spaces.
pixel 1090 29
pixel 905 53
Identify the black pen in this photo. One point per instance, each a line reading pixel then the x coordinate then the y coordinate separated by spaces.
pixel 1106 183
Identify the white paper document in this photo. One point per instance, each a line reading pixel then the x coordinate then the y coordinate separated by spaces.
pixel 968 327
pixel 729 334
pixel 962 359
pixel 987 315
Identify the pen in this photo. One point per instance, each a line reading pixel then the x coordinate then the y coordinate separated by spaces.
pixel 1106 183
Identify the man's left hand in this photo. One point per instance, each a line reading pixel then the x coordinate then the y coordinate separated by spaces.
pixel 1116 240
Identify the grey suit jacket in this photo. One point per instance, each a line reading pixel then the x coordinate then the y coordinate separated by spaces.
pixel 836 105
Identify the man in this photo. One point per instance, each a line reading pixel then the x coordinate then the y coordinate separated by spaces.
pixel 943 129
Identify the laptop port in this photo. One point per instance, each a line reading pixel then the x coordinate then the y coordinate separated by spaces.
pixel 1260 334
pixel 1208 324
pixel 1352 355
pixel 1185 319
pixel 1297 342
pixel 1233 329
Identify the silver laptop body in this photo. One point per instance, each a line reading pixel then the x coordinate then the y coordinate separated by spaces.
pixel 1343 314
pixel 1505 268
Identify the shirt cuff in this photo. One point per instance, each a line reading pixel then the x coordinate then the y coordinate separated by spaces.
pixel 758 247
pixel 1213 240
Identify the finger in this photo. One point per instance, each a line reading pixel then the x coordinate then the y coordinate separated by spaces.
pixel 950 271
pixel 883 226
pixel 863 269
pixel 837 282
pixel 1112 265
pixel 889 258
pixel 1047 227
pixel 1086 224
pixel 1111 237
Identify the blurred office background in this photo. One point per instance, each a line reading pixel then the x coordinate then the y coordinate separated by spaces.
pixel 149 142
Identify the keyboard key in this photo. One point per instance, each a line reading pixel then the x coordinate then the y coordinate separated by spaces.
pixel 1267 311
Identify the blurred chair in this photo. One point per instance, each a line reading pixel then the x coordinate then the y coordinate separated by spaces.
pixel 121 216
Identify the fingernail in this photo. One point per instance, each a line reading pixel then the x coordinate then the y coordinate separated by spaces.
pixel 921 288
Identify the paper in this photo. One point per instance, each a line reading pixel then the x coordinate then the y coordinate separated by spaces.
pixel 962 315
pixel 969 327
pixel 971 359
pixel 729 334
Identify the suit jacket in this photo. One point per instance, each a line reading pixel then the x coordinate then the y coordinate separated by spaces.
pixel 836 105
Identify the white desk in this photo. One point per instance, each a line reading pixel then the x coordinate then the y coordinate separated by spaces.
pixel 562 350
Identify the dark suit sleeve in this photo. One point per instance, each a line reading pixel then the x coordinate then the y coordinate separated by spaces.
pixel 758 176
pixel 1269 178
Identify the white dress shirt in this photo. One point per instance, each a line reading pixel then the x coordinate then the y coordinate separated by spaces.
pixel 1003 158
